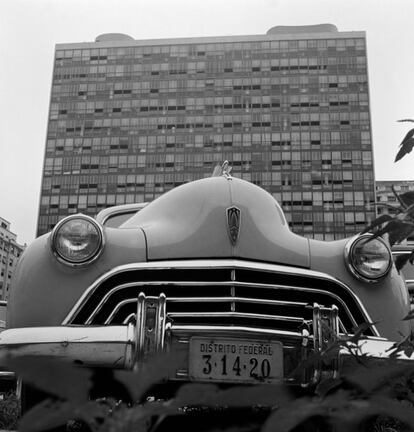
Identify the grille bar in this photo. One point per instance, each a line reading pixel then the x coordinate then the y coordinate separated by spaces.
pixel 206 299
pixel 234 299
pixel 236 315
pixel 233 285
pixel 218 291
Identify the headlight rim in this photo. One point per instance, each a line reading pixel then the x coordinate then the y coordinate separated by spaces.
pixel 85 262
pixel 348 253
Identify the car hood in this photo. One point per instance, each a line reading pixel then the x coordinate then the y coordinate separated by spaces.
pixel 219 217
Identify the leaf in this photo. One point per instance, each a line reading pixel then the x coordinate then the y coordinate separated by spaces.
pixel 327 385
pixel 52 414
pixel 104 384
pixel 286 418
pixel 409 211
pixel 407 198
pixel 138 418
pixel 409 316
pixel 377 222
pixel 402 259
pixel 343 411
pixel 406 147
pixel 401 230
pixel 46 415
pixel 151 372
pixel 396 229
pixel 369 379
pixel 408 135
pixel 405 346
pixel 358 332
pixel 58 378
pixel 210 395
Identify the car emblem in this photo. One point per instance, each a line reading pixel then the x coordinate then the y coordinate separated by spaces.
pixel 233 223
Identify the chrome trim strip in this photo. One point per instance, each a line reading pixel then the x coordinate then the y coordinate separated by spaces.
pixel 181 330
pixel 236 315
pixel 214 264
pixel 234 299
pixel 161 322
pixel 118 307
pixel 129 317
pixel 7 375
pixel 140 327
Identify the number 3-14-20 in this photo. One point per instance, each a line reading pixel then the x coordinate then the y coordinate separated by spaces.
pixel 255 368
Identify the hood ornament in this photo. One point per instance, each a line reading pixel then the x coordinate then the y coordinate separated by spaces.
pixel 233 223
pixel 223 170
pixel 226 170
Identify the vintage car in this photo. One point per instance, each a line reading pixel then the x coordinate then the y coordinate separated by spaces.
pixel 210 268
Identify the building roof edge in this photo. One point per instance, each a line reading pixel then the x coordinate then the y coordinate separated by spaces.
pixel 211 39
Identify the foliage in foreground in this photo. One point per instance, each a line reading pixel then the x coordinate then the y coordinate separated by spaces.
pixel 382 391
pixel 9 411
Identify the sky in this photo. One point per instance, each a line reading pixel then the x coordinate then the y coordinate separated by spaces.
pixel 29 30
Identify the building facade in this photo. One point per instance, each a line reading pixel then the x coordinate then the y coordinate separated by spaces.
pixel 130 119
pixel 386 199
pixel 10 252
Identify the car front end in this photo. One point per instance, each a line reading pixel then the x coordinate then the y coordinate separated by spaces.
pixel 211 271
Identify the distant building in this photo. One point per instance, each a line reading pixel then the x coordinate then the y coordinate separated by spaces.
pixel 385 195
pixel 131 119
pixel 10 252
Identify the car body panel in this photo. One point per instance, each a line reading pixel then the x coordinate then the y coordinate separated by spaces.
pixel 190 222
pixel 113 217
pixel 328 257
pixel 48 289
pixel 408 269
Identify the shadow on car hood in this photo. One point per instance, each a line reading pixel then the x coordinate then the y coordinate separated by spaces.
pixel 219 217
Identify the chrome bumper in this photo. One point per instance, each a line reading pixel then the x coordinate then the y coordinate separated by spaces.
pixel 89 346
pixel 125 347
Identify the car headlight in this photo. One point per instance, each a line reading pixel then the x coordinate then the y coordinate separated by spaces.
pixel 368 259
pixel 77 240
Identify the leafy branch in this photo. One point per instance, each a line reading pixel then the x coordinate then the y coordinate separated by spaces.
pixel 399 225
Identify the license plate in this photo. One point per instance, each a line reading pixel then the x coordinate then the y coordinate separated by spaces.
pixel 235 360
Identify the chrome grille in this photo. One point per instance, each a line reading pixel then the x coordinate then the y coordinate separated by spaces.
pixel 223 292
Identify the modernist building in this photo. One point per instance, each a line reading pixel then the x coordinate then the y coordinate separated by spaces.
pixel 10 252
pixel 130 119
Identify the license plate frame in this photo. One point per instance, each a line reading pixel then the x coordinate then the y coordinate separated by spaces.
pixel 247 361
